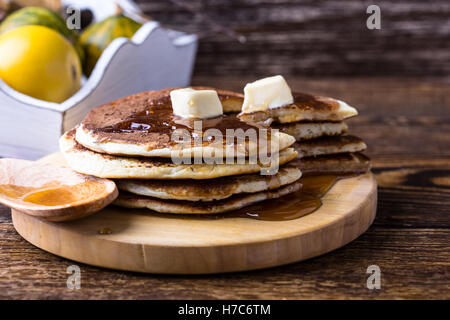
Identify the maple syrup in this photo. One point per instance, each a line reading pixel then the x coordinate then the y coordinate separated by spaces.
pixel 105 231
pixel 160 119
pixel 307 101
pixel 291 206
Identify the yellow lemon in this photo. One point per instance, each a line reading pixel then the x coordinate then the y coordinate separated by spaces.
pixel 39 62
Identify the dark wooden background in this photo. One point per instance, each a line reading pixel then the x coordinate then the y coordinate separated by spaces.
pixel 314 37
pixel 396 77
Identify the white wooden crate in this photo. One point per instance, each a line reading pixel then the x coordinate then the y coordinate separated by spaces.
pixel 155 58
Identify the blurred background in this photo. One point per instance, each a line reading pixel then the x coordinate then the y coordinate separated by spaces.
pixel 312 38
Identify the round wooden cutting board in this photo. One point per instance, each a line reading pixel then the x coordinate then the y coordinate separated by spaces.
pixel 133 240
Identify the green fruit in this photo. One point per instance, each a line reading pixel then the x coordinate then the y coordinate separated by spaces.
pixel 42 17
pixel 99 35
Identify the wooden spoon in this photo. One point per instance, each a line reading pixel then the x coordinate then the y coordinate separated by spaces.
pixel 52 192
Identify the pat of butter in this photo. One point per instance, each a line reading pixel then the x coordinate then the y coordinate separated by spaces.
pixel 266 93
pixel 190 103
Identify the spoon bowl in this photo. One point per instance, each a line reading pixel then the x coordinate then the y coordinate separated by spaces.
pixel 51 192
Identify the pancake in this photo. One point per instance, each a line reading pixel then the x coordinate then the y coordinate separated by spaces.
pixel 311 130
pixel 101 165
pixel 305 107
pixel 231 101
pixel 343 163
pixel 143 125
pixel 235 202
pixel 214 189
pixel 329 145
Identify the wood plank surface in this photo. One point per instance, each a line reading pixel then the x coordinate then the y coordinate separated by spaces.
pixel 406 124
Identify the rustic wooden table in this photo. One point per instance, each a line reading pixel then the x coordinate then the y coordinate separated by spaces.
pixel 406 124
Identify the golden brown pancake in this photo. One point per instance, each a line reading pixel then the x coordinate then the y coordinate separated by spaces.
pixel 102 165
pixel 213 189
pixel 311 130
pixel 342 163
pixel 235 202
pixel 329 145
pixel 305 107
pixel 143 125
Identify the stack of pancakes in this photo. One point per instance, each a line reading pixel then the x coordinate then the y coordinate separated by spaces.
pixel 317 124
pixel 130 140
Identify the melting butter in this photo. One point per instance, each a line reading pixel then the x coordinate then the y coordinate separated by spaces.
pixel 266 93
pixel 201 104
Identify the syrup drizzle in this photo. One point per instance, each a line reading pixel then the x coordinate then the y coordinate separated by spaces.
pixel 291 206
